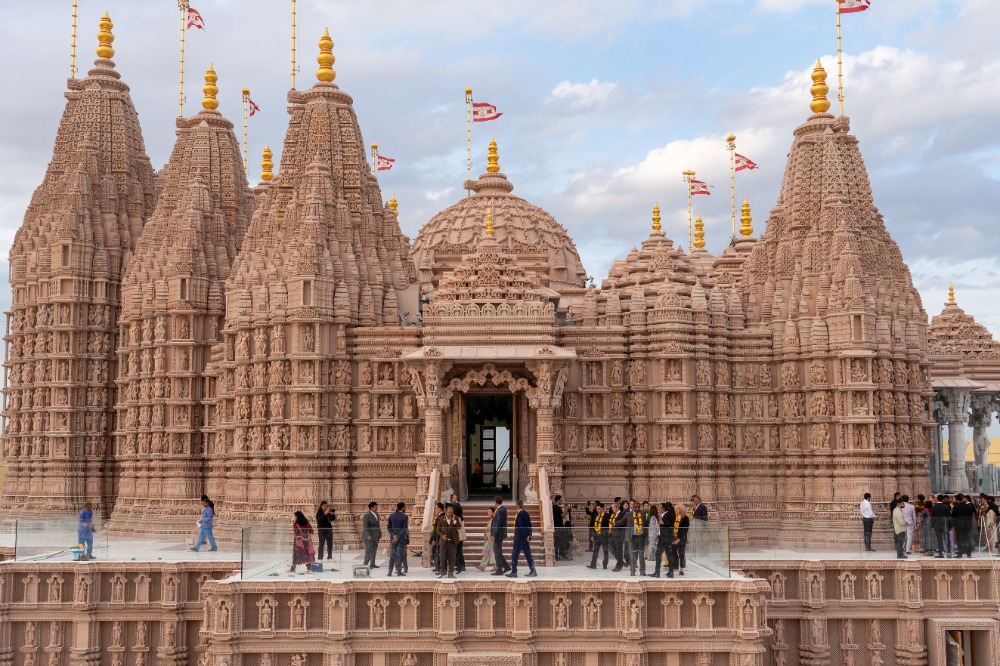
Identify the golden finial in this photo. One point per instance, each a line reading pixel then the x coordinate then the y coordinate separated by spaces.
pixel 746 230
pixel 394 205
pixel 325 58
pixel 656 216
pixel 493 158
pixel 820 103
pixel 699 233
pixel 951 293
pixel 105 38
pixel 489 222
pixel 210 89
pixel 266 164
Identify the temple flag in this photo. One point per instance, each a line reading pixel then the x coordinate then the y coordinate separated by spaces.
pixel 699 187
pixel 385 163
pixel 254 109
pixel 481 112
pixel 744 162
pixel 853 6
pixel 194 19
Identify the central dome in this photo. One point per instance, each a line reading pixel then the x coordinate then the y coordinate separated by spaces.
pixel 541 245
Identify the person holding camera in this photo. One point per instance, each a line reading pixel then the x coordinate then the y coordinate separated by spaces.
pixel 325 518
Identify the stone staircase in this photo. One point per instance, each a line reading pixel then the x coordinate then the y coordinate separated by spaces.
pixel 476 516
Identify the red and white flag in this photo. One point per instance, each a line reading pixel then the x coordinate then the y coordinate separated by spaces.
pixel 385 163
pixel 194 19
pixel 744 162
pixel 481 112
pixel 699 187
pixel 852 6
pixel 255 109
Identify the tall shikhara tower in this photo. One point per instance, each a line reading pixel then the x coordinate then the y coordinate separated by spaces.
pixel 67 263
pixel 322 259
pixel 173 304
pixel 849 333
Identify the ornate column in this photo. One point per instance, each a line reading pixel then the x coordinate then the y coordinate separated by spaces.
pixel 983 406
pixel 955 412
pixel 544 397
pixel 426 381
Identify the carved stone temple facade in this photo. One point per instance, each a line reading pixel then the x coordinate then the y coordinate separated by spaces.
pixel 277 345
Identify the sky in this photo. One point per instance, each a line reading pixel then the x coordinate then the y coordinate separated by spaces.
pixel 604 105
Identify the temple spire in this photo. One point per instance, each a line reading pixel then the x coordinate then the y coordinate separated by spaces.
pixel 105 37
pixel 266 164
pixel 210 89
pixel 819 89
pixel 493 158
pixel 326 73
pixel 656 217
pixel 746 229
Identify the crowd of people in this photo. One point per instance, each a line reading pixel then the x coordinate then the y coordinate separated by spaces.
pixel 943 526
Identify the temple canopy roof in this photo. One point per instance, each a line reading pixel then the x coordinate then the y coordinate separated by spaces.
pixel 539 242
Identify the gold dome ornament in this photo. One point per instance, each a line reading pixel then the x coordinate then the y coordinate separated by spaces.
pixel 394 206
pixel 951 293
pixel 266 164
pixel 105 37
pixel 493 158
pixel 489 222
pixel 325 73
pixel 699 233
pixel 210 89
pixel 819 89
pixel 656 216
pixel 746 230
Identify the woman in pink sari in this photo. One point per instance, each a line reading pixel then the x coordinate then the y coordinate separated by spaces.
pixel 303 551
pixel 486 559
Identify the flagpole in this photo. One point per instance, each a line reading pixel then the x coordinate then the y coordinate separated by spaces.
pixel 72 46
pixel 293 44
pixel 840 64
pixel 468 135
pixel 374 158
pixel 183 4
pixel 731 145
pixel 688 175
pixel 246 117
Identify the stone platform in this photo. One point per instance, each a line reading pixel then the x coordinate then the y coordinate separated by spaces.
pixel 186 608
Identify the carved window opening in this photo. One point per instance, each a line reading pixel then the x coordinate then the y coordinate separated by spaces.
pixel 184 289
pixel 307 292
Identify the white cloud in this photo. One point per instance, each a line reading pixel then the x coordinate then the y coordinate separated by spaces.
pixel 438 194
pixel 592 95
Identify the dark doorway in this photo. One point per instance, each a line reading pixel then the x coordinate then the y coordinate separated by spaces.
pixel 489 444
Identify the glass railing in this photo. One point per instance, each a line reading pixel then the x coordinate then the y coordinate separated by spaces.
pixel 701 551
pixel 59 538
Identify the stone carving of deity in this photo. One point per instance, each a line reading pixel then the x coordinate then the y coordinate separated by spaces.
pixel 616 373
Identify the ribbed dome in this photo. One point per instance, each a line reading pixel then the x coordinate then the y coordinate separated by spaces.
pixel 540 243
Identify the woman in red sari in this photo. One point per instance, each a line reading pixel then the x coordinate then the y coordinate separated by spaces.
pixel 303 551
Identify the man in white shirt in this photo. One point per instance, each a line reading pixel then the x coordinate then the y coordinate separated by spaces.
pixel 910 516
pixel 868 520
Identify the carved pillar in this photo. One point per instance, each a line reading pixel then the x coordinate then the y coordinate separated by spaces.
pixel 956 414
pixel 982 416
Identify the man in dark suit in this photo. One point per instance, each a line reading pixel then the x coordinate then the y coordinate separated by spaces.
pixel 460 557
pixel 371 532
pixel 963 514
pixel 499 533
pixel 637 534
pixel 398 527
pixel 522 533
pixel 601 533
pixel 700 510
pixel 619 535
pixel 941 523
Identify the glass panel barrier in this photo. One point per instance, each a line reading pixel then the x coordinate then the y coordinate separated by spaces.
pixel 59 538
pixel 701 552
pixel 269 549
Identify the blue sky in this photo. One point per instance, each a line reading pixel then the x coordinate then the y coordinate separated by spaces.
pixel 604 105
